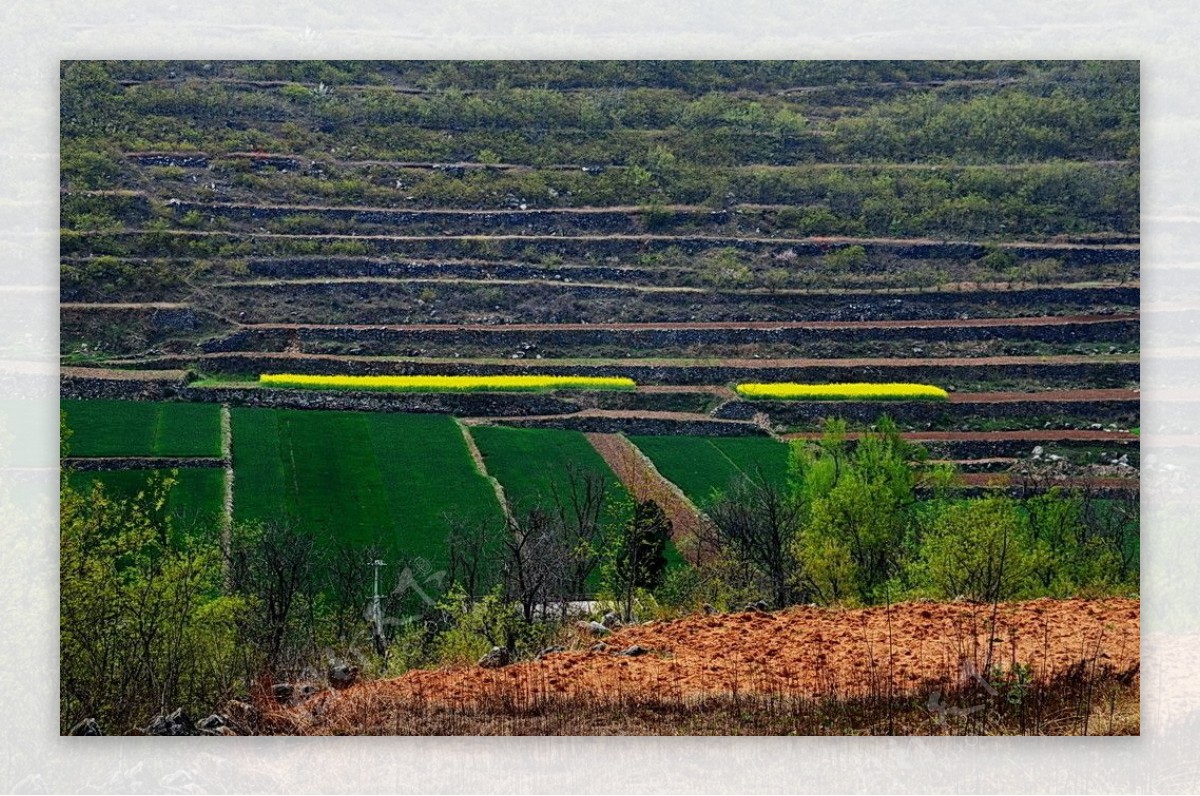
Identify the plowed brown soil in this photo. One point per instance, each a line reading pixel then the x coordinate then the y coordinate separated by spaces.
pixel 804 651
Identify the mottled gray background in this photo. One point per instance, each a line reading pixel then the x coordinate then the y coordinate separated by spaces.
pixel 36 35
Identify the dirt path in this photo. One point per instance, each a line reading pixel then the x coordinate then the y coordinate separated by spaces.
pixel 1047 395
pixel 113 374
pixel 123 305
pixel 477 457
pixel 720 391
pixel 644 482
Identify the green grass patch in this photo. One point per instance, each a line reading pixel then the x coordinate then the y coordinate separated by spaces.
pixel 367 478
pixel 198 494
pixel 533 464
pixel 704 466
pixel 142 428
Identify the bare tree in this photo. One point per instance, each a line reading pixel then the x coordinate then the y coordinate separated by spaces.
pixel 581 524
pixel 349 577
pixel 470 555
pixel 534 563
pixel 758 522
pixel 276 566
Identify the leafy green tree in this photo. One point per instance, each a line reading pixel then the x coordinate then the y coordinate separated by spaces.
pixel 860 514
pixel 143 626
pixel 979 550
pixel 638 558
pixel 849 258
pixel 725 268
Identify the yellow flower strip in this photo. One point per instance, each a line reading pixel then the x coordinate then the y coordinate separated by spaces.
pixel 843 392
pixel 447 383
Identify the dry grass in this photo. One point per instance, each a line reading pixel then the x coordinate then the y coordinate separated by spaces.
pixel 1073 704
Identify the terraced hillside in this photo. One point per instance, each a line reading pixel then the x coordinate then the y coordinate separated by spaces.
pixel 972 225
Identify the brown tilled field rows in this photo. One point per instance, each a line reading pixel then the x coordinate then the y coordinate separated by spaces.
pixel 908 648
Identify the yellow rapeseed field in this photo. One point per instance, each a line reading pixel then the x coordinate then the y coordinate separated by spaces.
pixel 843 392
pixel 448 383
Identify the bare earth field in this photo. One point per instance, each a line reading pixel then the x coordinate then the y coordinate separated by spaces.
pixel 917 649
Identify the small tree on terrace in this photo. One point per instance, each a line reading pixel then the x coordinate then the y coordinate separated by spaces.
pixel 860 510
pixel 978 550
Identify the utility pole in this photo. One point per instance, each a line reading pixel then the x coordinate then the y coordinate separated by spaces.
pixel 377 613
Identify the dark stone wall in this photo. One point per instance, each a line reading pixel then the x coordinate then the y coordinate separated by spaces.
pixel 642 426
pixel 459 404
pixel 533 302
pixel 125 389
pixel 501 339
pixel 1099 374
pixel 141 463
pixel 937 412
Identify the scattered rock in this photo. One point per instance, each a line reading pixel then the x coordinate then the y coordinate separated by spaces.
pixel 551 650
pixel 282 691
pixel 634 651
pixel 86 727
pixel 176 723
pixel 343 675
pixel 595 628
pixel 708 608
pixel 1038 450
pixel 611 620
pixel 216 724
pixel 598 647
pixel 495 659
pixel 241 714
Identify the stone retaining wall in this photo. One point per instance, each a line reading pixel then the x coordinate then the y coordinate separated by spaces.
pixel 941 413
pixel 498 338
pixel 106 463
pixel 641 426
pixel 301 267
pixel 536 302
pixel 1099 374
pixel 119 388
pixel 457 404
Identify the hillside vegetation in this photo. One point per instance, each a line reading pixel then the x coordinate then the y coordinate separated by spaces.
pixel 674 228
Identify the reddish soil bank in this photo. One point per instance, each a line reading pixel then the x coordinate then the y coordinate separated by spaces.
pixel 114 374
pixel 800 651
pixel 1049 395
